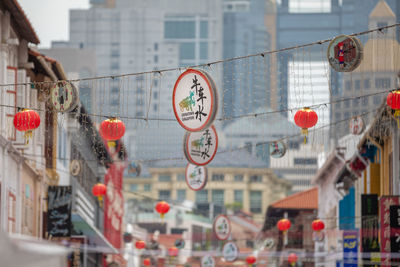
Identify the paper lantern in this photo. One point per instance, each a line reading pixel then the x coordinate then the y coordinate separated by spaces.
pixel 146 262
pixel 162 207
pixel 26 121
pixel 140 244
pixel 292 259
pixel 99 190
pixel 173 252
pixel 318 225
pixel 284 225
pixel 305 118
pixel 111 130
pixel 393 101
pixel 251 260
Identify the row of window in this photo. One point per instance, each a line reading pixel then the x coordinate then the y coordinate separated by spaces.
pixel 135 187
pixel 218 177
pixel 381 83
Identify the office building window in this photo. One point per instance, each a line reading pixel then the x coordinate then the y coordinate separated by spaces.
pixel 356 102
pixel 204 29
pixel 367 83
pixel 357 84
pixel 347 103
pixel 181 177
pixel 337 116
pixel 238 196
pixel 147 187
pixel 164 177
pixel 377 100
pixel 179 29
pixel 186 51
pixel 217 197
pixel 203 50
pixel 181 194
pixel 164 194
pixel 365 101
pixel 202 196
pixel 133 187
pixel 238 178
pixel 155 46
pixel 305 161
pixel 348 85
pixel 255 179
pixel 256 201
pixel 217 177
pixel 382 83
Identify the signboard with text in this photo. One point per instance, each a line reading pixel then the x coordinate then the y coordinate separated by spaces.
pixel 350 248
pixel 369 228
pixel 385 202
pixel 395 233
pixel 59 211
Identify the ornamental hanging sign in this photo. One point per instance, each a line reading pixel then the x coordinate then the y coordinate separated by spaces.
pixel 222 227
pixel 64 96
pixel 195 100
pixel 196 177
pixel 277 149
pixel 345 53
pixel 356 125
pixel 230 252
pixel 200 147
pixel 207 261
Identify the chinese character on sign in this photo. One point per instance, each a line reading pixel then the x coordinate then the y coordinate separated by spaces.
pixel 199 92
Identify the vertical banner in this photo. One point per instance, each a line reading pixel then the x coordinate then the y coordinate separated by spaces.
pixel 384 203
pixel 370 229
pixel 395 234
pixel 350 248
pixel 59 211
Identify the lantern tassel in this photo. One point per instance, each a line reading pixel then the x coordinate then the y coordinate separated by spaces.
pixel 304 131
pixel 27 136
pixel 396 116
pixel 293 263
pixel 162 215
pixel 100 199
pixel 111 143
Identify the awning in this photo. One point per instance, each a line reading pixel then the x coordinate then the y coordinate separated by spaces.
pixel 97 241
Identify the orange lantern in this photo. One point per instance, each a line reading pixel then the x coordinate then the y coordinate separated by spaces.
pixel 162 207
pixel 26 121
pixel 140 244
pixel 173 252
pixel 305 118
pixel 292 259
pixel 111 130
pixel 99 190
pixel 318 225
pixel 393 101
pixel 284 225
pixel 251 260
pixel 146 262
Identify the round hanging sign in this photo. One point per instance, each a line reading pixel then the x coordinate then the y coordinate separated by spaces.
pixel 356 125
pixel 64 96
pixel 222 227
pixel 75 167
pixel 195 100
pixel 207 261
pixel 200 147
pixel 196 176
pixel 345 53
pixel 230 252
pixel 277 149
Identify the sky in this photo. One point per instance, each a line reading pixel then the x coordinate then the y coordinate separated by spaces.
pixel 50 18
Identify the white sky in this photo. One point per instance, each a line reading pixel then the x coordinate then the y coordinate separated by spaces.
pixel 50 18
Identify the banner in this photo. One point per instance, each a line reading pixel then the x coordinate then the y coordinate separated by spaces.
pixel 384 203
pixel 350 248
pixel 395 232
pixel 59 211
pixel 369 229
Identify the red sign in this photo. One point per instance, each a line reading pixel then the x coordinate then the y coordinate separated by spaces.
pixel 384 213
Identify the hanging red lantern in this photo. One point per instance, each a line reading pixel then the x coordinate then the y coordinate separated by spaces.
pixel 393 101
pixel 305 118
pixel 251 260
pixel 162 207
pixel 111 130
pixel 140 244
pixel 146 262
pixel 99 190
pixel 26 121
pixel 318 225
pixel 173 252
pixel 284 225
pixel 292 259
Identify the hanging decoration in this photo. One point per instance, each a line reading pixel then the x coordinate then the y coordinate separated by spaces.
pixel 99 190
pixel 26 121
pixel 162 207
pixel 251 260
pixel 134 168
pixel 305 118
pixel 75 167
pixel 140 244
pixel 64 96
pixel 196 176
pixel 393 101
pixel 284 225
pixel 356 125
pixel 345 53
pixel 292 259
pixel 112 130
pixel 318 225
pixel 230 252
pixel 277 149
pixel 146 262
pixel 195 100
pixel 207 261
pixel 179 243
pixel 173 252
pixel 200 147
pixel 222 227
pixel 127 237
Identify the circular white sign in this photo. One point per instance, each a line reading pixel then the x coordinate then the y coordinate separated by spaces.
pixel 230 252
pixel 200 147
pixel 222 227
pixel 196 176
pixel 63 96
pixel 194 100
pixel 75 167
pixel 207 261
pixel 277 149
pixel 356 125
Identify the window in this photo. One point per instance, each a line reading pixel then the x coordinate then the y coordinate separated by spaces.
pixel 133 187
pixel 381 24
pixel 238 178
pixel 203 50
pixel 164 194
pixel 249 147
pixel 256 178
pixel 179 29
pixel 300 182
pixel 155 84
pixel 382 83
pixel 217 197
pixel 356 102
pixel 114 53
pixel 204 29
pixel 164 177
pixel 181 177
pixel 238 196
pixel 115 65
pixel 217 177
pixel 262 151
pixel 255 201
pixel 155 59
pixel 181 194
pixel 186 51
pixel 377 100
pixel 357 84
pixel 365 101
pixel 155 107
pixel 347 104
pixel 202 196
pixel 346 115
pixel 155 46
pixel 348 85
pixel 147 187
pixel 367 84
pixel 305 161
pixel 337 116
pixel 155 95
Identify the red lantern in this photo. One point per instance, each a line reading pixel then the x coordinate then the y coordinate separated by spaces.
pixel 162 207
pixel 292 259
pixel 173 252
pixel 318 225
pixel 284 225
pixel 26 121
pixel 251 260
pixel 99 190
pixel 393 101
pixel 140 244
pixel 146 262
pixel 305 118
pixel 111 130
